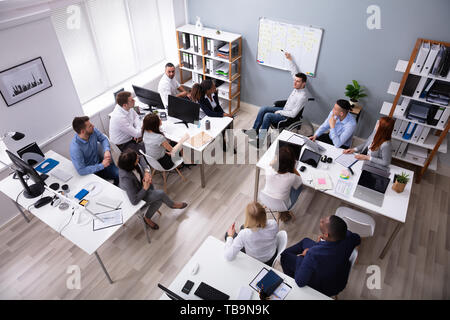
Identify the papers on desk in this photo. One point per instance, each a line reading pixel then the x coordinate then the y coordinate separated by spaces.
pixel 346 159
pixel 279 294
pixel 199 139
pixel 343 187
pixel 321 180
pixel 110 219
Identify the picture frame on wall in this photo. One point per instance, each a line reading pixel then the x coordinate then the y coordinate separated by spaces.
pixel 23 81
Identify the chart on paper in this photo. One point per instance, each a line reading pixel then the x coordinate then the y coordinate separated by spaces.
pixel 302 42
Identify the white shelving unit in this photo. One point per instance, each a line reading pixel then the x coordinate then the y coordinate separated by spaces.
pixel 231 97
pixel 436 140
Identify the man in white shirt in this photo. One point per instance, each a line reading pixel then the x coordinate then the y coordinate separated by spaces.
pixel 169 85
pixel 125 127
pixel 295 102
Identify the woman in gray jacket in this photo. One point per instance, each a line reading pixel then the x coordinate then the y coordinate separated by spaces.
pixel 138 186
pixel 378 148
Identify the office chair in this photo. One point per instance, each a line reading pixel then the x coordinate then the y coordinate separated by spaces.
pixel 357 222
pixel 297 124
pixel 282 239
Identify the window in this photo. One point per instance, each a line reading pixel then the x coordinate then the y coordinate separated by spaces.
pixel 112 41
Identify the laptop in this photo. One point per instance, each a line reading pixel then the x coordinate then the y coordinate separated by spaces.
pixel 296 148
pixel 372 185
pixel 299 139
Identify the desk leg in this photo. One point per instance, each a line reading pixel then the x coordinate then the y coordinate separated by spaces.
pixel 21 211
pixel 255 196
pixel 388 244
pixel 202 173
pixel 103 267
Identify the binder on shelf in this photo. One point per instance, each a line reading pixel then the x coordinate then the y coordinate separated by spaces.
pixel 404 105
pixel 428 86
pixel 417 151
pixel 402 128
pixel 446 64
pixel 397 124
pixel 421 57
pixel 395 144
pixel 417 133
pixel 191 61
pixel 431 57
pixel 419 88
pixel 438 62
pixel 424 134
pixel 444 117
pixel 409 131
pixel 191 41
pixel 401 149
pixel 410 85
pixel 208 46
pixel 185 38
pixel 196 44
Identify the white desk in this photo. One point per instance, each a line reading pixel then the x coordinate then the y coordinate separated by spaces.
pixel 82 235
pixel 230 276
pixel 395 205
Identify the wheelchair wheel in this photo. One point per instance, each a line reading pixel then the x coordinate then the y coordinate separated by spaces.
pixel 302 127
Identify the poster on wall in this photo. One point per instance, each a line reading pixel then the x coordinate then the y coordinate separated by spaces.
pixel 23 81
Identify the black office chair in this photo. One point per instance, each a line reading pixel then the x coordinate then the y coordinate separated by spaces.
pixel 297 124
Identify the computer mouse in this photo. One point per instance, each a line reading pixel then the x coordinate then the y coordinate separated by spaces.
pixel 42 202
pixel 195 269
pixel 302 168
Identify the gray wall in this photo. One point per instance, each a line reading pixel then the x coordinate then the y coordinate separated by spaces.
pixel 349 49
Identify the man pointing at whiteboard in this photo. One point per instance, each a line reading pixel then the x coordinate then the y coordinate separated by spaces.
pixel 273 115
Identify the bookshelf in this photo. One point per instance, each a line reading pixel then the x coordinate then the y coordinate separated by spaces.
pixel 200 58
pixel 435 141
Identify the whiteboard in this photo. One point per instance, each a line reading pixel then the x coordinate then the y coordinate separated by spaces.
pixel 302 42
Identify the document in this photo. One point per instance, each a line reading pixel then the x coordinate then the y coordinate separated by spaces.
pixel 279 294
pixel 200 139
pixel 110 219
pixel 346 159
pixel 322 181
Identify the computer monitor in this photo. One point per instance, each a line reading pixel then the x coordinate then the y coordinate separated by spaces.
pixel 183 109
pixel 22 169
pixel 169 293
pixel 31 154
pixel 149 97
pixel 296 148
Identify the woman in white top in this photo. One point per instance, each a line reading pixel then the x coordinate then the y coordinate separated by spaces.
pixel 258 237
pixel 283 181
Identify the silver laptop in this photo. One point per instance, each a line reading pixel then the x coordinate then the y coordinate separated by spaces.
pixel 372 185
pixel 299 139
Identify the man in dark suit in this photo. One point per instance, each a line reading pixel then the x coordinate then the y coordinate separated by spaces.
pixel 323 265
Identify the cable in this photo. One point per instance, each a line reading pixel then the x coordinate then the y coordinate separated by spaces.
pixel 71 216
pixel 17 198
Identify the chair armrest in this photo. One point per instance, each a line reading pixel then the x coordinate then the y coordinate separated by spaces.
pixel 280 103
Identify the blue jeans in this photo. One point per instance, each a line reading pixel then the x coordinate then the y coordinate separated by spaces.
pixel 110 172
pixel 266 117
pixel 289 259
pixel 295 193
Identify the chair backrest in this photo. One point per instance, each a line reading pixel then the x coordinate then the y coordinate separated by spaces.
pixel 153 162
pixel 272 203
pixel 282 240
pixel 115 152
pixel 353 257
pixel 357 222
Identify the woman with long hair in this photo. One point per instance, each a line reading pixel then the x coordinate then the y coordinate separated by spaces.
pixel 258 236
pixel 378 148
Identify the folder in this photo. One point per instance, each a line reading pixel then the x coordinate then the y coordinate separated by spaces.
pixel 421 57
pixel 395 145
pixel 419 88
pixel 397 124
pixel 417 133
pixel 404 105
pixel 444 117
pixel 410 85
pixel 402 128
pixel 409 131
pixel 424 134
pixel 431 57
pixel 191 40
pixel 438 62
pixel 401 150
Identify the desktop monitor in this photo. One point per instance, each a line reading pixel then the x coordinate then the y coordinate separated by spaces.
pixel 22 169
pixel 169 293
pixel 296 148
pixel 149 97
pixel 183 109
pixel 31 154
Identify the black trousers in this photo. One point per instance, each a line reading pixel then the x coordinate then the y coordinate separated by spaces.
pixel 166 162
pixel 326 138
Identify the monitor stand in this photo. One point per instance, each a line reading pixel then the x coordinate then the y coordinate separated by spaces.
pixel 33 191
pixel 183 122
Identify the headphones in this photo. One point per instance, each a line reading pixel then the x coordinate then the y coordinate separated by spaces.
pixel 326 159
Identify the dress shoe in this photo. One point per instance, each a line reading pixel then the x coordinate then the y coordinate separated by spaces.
pixel 151 224
pixel 183 205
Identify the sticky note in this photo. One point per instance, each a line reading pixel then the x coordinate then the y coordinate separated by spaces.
pixel 321 181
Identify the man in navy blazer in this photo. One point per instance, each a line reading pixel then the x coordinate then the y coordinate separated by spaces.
pixel 323 265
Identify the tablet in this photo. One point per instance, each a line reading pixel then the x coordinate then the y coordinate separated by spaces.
pixel 310 157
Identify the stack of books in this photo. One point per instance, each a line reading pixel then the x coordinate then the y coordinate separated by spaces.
pixel 224 51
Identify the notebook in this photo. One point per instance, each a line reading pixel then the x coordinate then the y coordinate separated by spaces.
pixel 269 282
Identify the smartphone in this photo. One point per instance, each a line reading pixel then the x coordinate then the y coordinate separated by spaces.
pixel 80 195
pixel 187 287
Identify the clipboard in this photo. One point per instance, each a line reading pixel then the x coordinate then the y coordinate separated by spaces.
pixel 110 219
pixel 279 294
pixel 346 160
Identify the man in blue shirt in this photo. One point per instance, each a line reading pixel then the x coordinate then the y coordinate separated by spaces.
pixel 341 124
pixel 84 151
pixel 323 265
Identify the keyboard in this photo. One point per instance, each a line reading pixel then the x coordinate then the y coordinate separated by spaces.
pixel 206 292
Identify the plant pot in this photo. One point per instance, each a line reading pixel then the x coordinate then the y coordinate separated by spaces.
pixel 354 103
pixel 398 187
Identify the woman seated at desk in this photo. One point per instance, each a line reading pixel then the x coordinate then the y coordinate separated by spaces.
pixel 258 236
pixel 378 148
pixel 156 144
pixel 138 186
pixel 283 182
pixel 209 101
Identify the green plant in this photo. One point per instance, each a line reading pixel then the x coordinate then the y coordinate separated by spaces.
pixel 402 178
pixel 355 91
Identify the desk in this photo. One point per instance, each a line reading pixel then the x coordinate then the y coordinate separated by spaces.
pixel 395 205
pixel 81 235
pixel 230 276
